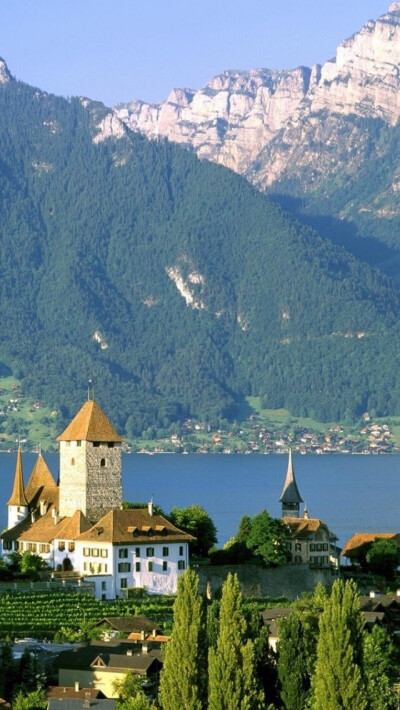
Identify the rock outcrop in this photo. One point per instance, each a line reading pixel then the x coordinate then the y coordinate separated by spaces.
pixel 253 121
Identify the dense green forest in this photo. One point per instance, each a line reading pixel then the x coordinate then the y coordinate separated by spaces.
pixel 96 237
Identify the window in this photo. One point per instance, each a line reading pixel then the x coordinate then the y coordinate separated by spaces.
pixel 123 583
pixel 72 462
pixel 297 546
pixel 165 565
pixel 104 553
pixel 137 551
pixel 312 546
pixel 181 550
pixel 288 545
pixel 95 552
pixel 165 551
pixel 325 546
pixel 103 586
pixel 86 551
pixel 150 566
pixel 149 551
pixel 7 544
pixel 297 560
pixel 86 566
pixel 123 553
pixel 44 547
pixel 78 443
pixel 110 444
pixel 124 567
pixel 181 564
pixel 61 545
pixel 105 568
pixel 103 597
pixel 71 547
pixel 137 566
pixel 96 443
pixel 102 463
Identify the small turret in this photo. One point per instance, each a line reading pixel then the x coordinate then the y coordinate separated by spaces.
pixel 290 497
pixel 17 504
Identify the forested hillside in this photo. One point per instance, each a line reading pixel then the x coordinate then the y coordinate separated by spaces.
pixel 172 282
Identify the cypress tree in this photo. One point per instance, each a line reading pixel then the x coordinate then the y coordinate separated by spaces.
pixel 292 663
pixel 232 682
pixel 379 664
pixel 338 681
pixel 183 679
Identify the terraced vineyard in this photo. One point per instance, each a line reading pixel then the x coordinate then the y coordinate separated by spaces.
pixel 43 614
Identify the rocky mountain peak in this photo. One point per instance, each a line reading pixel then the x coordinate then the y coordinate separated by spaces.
pixel 5 75
pixel 237 115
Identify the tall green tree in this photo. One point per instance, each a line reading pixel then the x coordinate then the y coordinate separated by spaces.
pixel 183 684
pixel 338 681
pixel 295 681
pixel 196 521
pixel 378 666
pixel 231 671
pixel 267 539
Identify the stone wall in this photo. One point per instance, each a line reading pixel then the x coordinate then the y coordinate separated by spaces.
pixel 288 581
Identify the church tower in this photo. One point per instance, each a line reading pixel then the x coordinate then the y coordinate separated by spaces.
pixel 18 504
pixel 290 497
pixel 90 465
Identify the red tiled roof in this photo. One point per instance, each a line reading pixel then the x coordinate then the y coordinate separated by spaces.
pixel 90 424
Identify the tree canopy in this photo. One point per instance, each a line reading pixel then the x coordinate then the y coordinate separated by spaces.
pixel 196 521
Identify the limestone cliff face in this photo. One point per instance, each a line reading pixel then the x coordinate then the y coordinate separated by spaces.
pixel 262 122
pixel 5 75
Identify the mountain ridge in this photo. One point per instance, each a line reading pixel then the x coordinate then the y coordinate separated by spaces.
pixel 172 281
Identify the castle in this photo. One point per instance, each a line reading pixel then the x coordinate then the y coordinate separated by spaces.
pixel 79 523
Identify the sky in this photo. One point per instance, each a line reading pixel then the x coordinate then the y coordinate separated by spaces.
pixel 116 51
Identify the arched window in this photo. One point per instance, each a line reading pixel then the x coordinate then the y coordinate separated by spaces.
pixel 102 463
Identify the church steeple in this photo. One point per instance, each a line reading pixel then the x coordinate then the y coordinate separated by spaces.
pixel 290 497
pixel 17 504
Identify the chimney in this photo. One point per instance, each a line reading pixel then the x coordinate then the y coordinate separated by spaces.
pixel 42 507
pixel 33 516
pixel 154 633
pixel 373 594
pixel 150 507
pixel 398 593
pixel 55 516
pixel 142 636
pixel 77 686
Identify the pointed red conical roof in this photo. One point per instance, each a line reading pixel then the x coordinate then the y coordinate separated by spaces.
pixel 40 476
pixel 90 424
pixel 18 494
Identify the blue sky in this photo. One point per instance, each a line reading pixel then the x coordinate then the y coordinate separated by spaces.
pixel 127 49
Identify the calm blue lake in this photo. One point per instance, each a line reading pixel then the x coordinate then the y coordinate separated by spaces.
pixel 350 493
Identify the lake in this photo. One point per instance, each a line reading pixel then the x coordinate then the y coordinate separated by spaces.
pixel 349 493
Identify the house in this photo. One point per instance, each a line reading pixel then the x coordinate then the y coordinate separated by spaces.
pixel 129 624
pixel 67 703
pixel 311 541
pixel 271 619
pixel 78 524
pixel 358 545
pixel 100 664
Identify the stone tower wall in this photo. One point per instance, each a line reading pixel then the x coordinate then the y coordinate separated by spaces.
pixel 85 484
pixel 104 484
pixel 72 477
